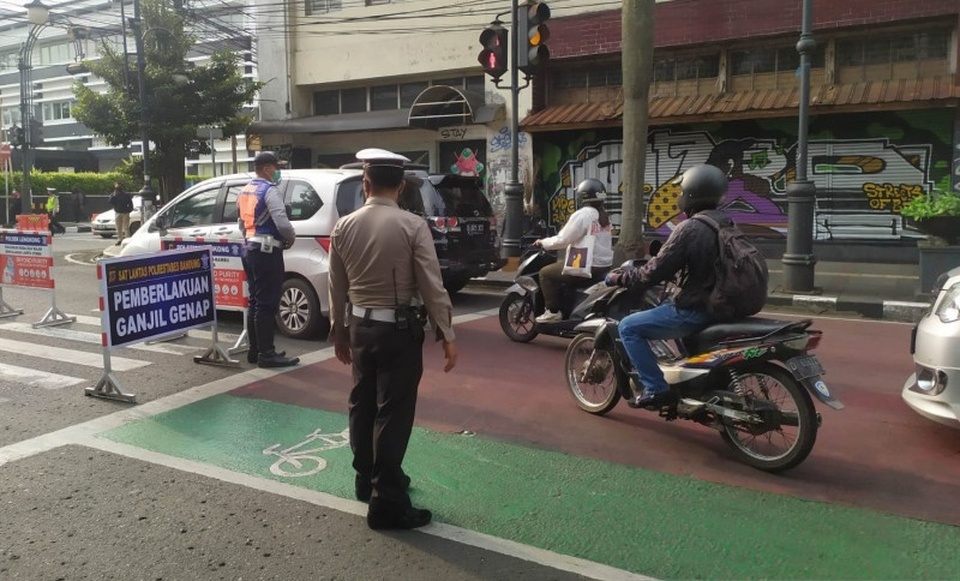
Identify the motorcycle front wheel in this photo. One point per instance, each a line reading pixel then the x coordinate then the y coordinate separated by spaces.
pixel 591 376
pixel 788 434
pixel 517 316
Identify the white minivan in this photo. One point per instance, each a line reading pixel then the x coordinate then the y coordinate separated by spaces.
pixel 315 200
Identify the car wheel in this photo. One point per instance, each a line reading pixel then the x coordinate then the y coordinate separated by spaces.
pixel 105 235
pixel 299 314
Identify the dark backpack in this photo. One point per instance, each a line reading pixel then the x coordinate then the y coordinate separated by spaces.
pixel 741 287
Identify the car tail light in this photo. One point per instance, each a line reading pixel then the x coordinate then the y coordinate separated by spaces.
pixel 949 307
pixel 324 242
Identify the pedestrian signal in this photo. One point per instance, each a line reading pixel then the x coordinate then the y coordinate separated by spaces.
pixel 493 56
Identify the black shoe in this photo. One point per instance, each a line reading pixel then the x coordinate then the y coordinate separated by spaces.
pixel 253 356
pixel 653 400
pixel 411 518
pixel 276 360
pixel 363 488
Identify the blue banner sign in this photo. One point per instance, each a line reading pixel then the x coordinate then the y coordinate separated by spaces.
pixel 152 296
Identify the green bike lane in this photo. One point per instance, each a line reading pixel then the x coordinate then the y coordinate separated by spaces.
pixel 289 428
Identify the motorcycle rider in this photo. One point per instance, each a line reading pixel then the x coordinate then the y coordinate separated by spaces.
pixel 590 195
pixel 691 250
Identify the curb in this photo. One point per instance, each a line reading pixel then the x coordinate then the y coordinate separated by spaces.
pixel 868 308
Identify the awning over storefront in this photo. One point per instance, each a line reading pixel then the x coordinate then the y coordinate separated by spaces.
pixel 436 107
pixel 865 96
pixel 445 106
pixel 366 121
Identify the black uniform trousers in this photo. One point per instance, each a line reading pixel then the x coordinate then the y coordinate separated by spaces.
pixel 264 271
pixel 387 366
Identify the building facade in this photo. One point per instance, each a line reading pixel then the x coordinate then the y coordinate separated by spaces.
pixel 77 31
pixel 885 123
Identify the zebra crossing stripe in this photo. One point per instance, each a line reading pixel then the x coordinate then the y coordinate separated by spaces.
pixel 73 356
pixel 94 338
pixel 36 378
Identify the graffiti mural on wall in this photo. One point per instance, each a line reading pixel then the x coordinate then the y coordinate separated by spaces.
pixel 862 181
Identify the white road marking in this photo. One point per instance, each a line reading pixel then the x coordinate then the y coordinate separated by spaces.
pixel 69 355
pixel 94 338
pixel 86 434
pixel 36 378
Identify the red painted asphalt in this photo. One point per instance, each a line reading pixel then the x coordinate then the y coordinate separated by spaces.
pixel 875 454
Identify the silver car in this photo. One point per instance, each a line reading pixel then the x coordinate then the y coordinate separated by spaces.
pixel 315 199
pixel 933 390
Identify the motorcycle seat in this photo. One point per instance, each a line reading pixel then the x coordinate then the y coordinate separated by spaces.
pixel 749 328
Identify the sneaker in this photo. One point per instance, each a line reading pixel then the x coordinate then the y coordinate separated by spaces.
pixel 549 317
pixel 653 399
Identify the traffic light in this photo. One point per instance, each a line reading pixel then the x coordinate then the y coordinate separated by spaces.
pixel 493 57
pixel 16 136
pixel 532 35
pixel 36 132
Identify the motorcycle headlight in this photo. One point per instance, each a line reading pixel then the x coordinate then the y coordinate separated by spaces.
pixel 949 308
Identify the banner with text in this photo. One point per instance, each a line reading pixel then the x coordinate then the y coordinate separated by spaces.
pixel 26 259
pixel 229 279
pixel 152 296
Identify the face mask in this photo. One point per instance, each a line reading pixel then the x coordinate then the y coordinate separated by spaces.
pixel 276 176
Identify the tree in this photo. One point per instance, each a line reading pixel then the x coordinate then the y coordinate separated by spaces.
pixel 180 97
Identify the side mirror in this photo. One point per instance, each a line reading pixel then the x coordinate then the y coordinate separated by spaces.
pixel 160 223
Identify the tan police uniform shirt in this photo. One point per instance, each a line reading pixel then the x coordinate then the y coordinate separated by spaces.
pixel 381 256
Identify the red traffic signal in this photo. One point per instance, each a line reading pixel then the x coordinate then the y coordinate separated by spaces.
pixel 493 57
pixel 532 35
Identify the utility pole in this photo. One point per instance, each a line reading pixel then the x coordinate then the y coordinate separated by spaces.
pixel 637 54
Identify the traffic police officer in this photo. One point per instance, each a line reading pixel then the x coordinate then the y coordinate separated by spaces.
pixel 267 232
pixel 381 259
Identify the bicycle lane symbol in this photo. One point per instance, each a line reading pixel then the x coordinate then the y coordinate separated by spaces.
pixel 298 460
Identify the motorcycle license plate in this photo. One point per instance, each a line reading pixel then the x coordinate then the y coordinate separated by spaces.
pixel 805 366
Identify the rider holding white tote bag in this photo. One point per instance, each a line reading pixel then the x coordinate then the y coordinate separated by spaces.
pixel 588 240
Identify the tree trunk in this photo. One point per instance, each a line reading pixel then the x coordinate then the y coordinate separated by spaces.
pixel 170 169
pixel 637 54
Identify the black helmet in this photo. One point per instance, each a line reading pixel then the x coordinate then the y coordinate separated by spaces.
pixel 591 192
pixel 702 188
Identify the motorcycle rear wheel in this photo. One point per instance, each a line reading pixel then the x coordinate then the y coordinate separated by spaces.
pixel 517 316
pixel 594 388
pixel 786 446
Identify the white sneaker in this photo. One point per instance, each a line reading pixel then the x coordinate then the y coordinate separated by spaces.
pixel 549 317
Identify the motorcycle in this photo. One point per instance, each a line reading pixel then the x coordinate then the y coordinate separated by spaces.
pixel 524 301
pixel 750 379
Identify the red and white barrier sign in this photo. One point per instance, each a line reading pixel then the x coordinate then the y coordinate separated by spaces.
pixel 26 259
pixel 229 279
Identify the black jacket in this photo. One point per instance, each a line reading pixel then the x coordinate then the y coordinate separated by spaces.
pixel 691 252
pixel 121 201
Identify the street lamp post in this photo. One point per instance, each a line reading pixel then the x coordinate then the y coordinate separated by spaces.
pixel 39 17
pixel 798 260
pixel 147 192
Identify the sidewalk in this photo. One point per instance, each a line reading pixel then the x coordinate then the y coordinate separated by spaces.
pixel 870 290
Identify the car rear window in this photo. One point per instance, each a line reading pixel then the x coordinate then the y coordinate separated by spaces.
pixel 463 197
pixel 303 200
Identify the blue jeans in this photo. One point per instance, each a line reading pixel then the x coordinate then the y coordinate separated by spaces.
pixel 663 322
